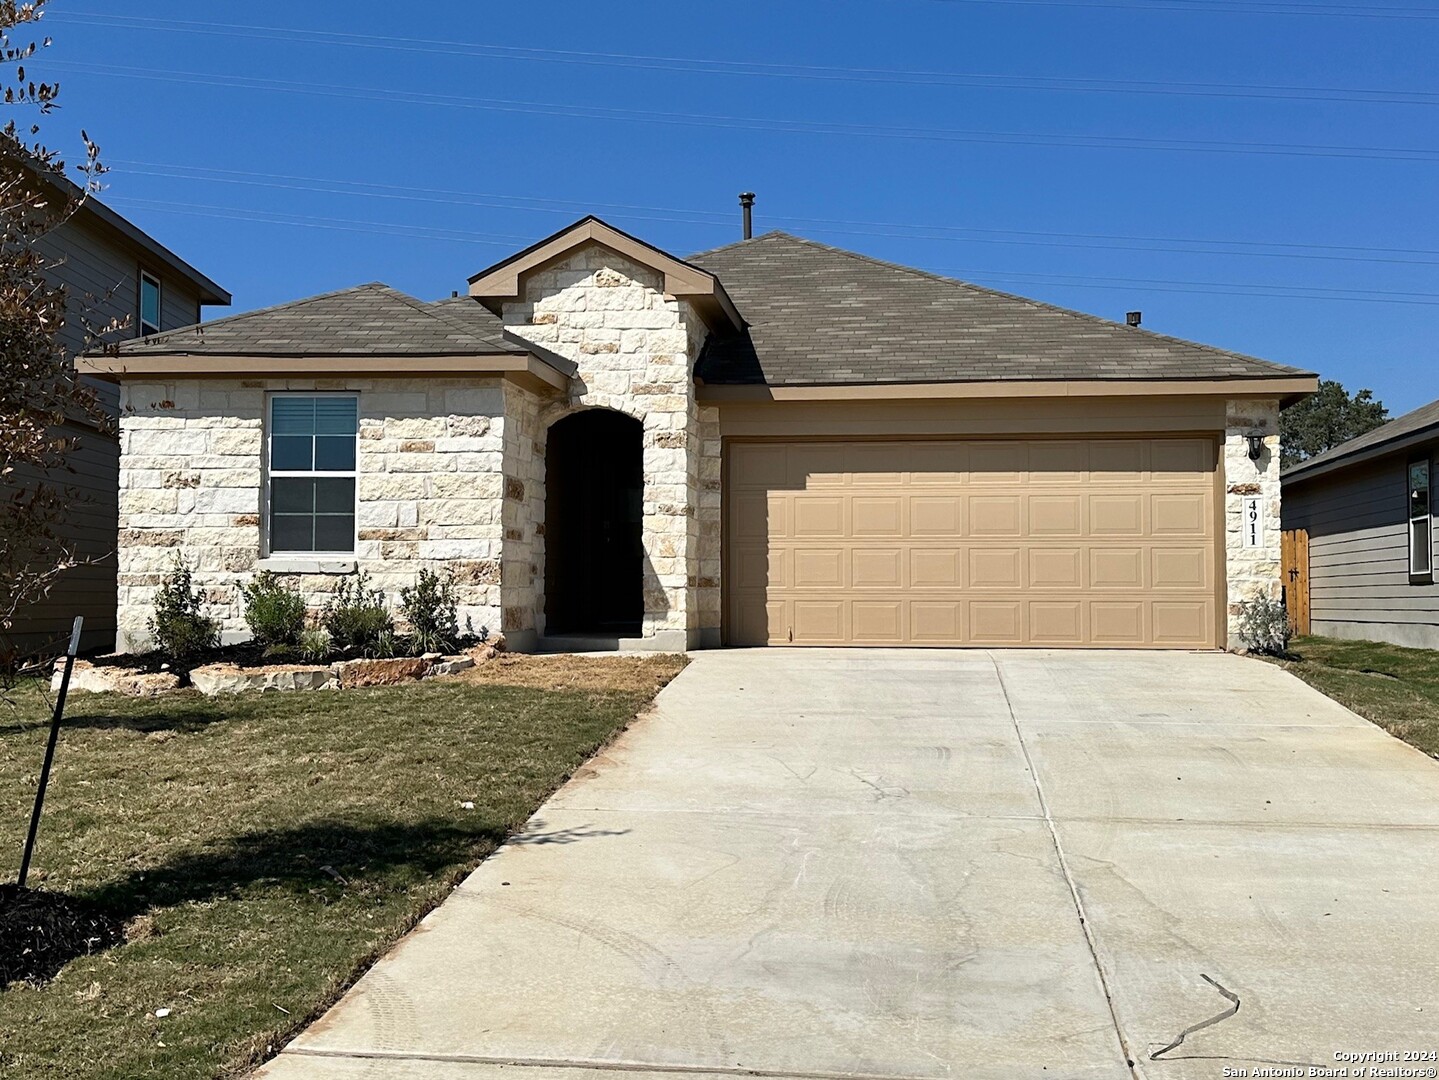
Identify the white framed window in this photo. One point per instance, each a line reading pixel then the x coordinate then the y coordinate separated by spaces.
pixel 149 304
pixel 310 456
pixel 1421 524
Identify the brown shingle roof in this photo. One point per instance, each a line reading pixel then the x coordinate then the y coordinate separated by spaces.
pixel 369 319
pixel 818 314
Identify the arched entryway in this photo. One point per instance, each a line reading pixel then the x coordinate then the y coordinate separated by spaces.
pixel 594 555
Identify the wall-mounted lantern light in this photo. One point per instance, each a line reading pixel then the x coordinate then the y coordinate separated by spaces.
pixel 1256 445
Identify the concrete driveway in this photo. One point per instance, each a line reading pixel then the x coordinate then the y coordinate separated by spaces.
pixel 927 864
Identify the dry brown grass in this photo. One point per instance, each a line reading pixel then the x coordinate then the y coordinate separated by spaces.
pixel 587 673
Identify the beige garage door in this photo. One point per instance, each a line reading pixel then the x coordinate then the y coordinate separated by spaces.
pixel 1018 542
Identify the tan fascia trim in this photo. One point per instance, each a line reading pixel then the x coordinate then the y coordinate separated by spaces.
pixel 526 369
pixel 501 283
pixel 1284 388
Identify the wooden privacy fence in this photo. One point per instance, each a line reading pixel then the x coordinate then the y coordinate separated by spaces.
pixel 1294 550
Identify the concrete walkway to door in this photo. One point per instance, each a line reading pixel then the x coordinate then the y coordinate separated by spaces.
pixel 911 864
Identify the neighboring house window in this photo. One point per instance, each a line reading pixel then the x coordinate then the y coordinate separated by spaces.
pixel 149 304
pixel 1421 542
pixel 310 496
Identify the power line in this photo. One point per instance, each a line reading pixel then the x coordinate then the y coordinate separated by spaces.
pixel 1254 288
pixel 1291 292
pixel 697 65
pixel 1224 7
pixel 307 221
pixel 766 124
pixel 710 218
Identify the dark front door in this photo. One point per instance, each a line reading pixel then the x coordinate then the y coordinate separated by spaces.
pixel 593 505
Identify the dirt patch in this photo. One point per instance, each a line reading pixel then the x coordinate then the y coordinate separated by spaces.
pixel 645 674
pixel 41 932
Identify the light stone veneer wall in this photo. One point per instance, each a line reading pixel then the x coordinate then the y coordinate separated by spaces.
pixel 635 349
pixel 1252 572
pixel 520 555
pixel 441 478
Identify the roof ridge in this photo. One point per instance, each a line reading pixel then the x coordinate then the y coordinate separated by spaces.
pixel 1086 316
pixel 350 320
pixel 427 309
pixel 430 308
pixel 740 243
pixel 288 305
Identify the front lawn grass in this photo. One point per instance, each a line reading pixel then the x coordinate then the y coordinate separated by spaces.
pixel 262 850
pixel 1394 687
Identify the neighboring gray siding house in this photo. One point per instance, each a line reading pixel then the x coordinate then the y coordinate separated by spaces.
pixel 1368 507
pixel 112 271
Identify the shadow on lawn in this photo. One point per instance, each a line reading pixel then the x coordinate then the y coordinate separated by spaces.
pixel 191 718
pixel 326 856
pixel 41 931
pixel 324 859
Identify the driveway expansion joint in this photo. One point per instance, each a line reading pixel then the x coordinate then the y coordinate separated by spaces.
pixel 1084 925
pixel 596 1065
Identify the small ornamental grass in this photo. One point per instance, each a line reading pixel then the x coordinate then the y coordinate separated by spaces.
pixel 314 645
pixel 179 626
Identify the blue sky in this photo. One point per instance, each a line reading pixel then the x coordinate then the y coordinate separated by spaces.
pixel 1270 196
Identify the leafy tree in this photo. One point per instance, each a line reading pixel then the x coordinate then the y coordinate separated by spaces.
pixel 38 387
pixel 1322 422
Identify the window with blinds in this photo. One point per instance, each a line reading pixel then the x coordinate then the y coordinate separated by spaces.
pixel 310 489
pixel 1421 542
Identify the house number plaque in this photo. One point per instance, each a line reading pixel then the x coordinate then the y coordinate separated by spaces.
pixel 1253 521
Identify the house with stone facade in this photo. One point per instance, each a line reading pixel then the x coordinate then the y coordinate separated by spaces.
pixel 773 443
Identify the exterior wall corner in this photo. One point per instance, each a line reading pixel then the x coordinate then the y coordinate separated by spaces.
pixel 1252 569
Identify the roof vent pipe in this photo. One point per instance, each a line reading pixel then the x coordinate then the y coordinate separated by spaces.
pixel 746 200
pixel 1134 318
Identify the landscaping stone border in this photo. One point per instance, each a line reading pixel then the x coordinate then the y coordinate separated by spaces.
pixel 227 678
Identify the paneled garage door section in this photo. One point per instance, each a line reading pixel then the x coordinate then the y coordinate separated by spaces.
pixel 1095 543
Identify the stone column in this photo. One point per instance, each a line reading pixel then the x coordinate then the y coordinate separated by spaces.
pixel 1252 572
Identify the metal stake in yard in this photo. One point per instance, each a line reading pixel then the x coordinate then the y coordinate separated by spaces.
pixel 50 749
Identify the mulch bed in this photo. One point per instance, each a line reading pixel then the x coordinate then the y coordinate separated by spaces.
pixel 242 656
pixel 40 932
pixel 245 655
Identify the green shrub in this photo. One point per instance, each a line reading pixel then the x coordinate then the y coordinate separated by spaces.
pixel 357 619
pixel 274 611
pixel 179 626
pixel 431 610
pixel 1264 626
